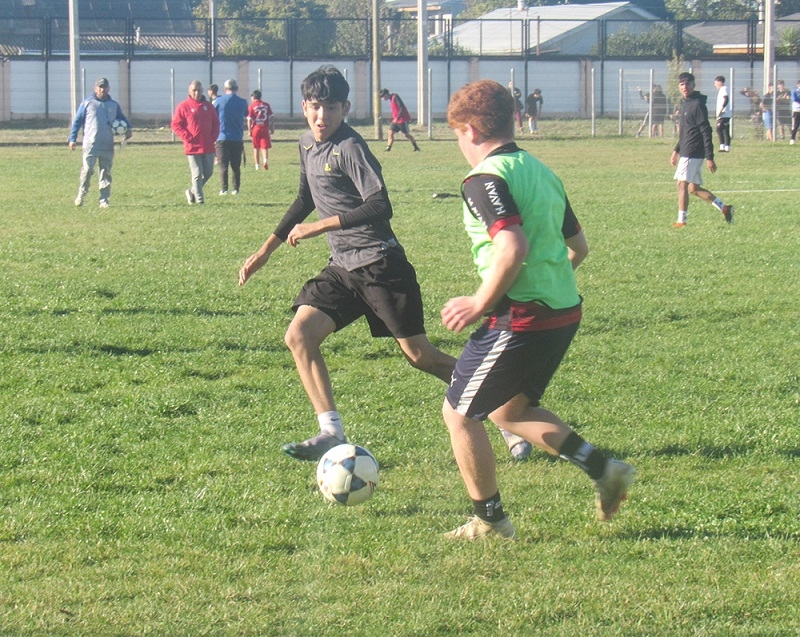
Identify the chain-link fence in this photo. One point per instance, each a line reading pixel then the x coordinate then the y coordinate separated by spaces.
pixel 338 38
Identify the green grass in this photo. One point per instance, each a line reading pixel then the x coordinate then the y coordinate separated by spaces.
pixel 144 398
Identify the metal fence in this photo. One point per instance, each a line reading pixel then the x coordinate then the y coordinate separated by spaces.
pixel 293 38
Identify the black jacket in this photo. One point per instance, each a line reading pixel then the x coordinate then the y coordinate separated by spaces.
pixel 695 138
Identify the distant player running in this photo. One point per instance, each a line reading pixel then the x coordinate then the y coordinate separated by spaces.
pixel 400 119
pixel 259 122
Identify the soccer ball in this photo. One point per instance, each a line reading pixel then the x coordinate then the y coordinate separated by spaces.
pixel 119 127
pixel 347 474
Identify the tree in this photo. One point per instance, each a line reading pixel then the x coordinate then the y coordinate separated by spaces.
pixel 712 9
pixel 658 41
pixel 788 44
pixel 262 28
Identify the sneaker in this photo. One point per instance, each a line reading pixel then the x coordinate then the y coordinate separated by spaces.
pixel 234 192
pixel 679 224
pixel 388 149
pixel 791 142
pixel 222 193
pixel 104 203
pixel 612 488
pixel 266 166
pixel 313 448
pixel 417 149
pixel 477 529
pixel 79 199
pixel 727 212
pixel 257 166
pixel 521 450
pixel 189 197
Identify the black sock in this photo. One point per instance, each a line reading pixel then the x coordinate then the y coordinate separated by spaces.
pixel 490 510
pixel 581 453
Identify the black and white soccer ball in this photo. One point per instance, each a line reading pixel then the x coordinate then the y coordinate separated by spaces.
pixel 119 127
pixel 347 474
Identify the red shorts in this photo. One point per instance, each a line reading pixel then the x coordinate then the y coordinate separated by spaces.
pixel 261 138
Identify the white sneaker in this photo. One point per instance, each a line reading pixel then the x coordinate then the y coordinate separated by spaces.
pixel 189 197
pixel 612 488
pixel 477 529
pixel 791 142
pixel 257 167
pixel 522 450
pixel 104 203
pixel 79 199
pixel 222 193
pixel 234 192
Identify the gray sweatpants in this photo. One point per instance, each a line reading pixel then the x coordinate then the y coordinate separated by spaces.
pixel 105 158
pixel 202 167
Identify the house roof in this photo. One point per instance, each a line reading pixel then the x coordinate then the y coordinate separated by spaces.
pixel 500 31
pixel 732 36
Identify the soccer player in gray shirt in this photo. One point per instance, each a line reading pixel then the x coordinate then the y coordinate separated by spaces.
pixel 368 273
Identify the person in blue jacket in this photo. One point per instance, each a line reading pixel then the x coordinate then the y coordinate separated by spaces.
pixel 96 115
pixel 232 111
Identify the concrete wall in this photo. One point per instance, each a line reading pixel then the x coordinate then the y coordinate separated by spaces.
pixel 149 89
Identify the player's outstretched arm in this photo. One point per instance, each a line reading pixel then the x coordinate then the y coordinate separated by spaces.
pixel 256 261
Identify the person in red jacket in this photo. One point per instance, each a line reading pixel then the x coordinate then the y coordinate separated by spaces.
pixel 196 122
pixel 400 119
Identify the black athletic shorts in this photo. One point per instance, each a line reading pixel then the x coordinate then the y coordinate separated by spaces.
pixel 497 365
pixel 385 292
pixel 399 128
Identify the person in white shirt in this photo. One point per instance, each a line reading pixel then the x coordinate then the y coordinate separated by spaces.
pixel 724 114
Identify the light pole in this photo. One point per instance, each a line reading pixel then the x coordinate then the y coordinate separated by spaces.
pixel 74 56
pixel 769 43
pixel 376 67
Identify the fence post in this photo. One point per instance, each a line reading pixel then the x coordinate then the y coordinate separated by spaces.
pixel 621 77
pixel 650 107
pixel 730 97
pixel 591 102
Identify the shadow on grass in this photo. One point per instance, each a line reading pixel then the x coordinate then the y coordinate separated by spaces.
pixel 703 451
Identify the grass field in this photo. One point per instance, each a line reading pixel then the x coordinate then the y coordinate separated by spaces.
pixel 144 398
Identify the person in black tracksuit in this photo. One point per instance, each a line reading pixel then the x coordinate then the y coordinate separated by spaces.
pixel 695 143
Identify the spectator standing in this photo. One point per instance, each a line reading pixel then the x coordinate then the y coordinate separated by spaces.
pixel 756 118
pixel 518 108
pixel 767 110
pixel 259 121
pixel 795 111
pixel 212 92
pixel 95 115
pixel 783 108
pixel 724 114
pixel 196 123
pixel 400 119
pixel 660 106
pixel 533 109
pixel 232 112
pixel 695 142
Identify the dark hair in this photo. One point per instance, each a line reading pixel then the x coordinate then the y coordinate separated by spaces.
pixel 326 84
pixel 256 94
pixel 384 92
pixel 720 78
pixel 685 77
pixel 213 88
